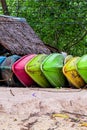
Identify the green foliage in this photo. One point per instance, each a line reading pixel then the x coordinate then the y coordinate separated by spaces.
pixel 59 23
pixel 1 9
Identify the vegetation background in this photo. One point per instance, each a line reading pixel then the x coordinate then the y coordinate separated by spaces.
pixel 59 23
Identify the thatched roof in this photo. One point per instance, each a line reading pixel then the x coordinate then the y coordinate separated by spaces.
pixel 19 38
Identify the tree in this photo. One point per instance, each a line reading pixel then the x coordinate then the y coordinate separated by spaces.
pixel 4 7
pixel 59 23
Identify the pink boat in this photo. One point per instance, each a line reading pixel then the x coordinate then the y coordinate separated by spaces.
pixel 19 71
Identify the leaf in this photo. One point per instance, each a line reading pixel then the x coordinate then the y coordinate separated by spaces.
pixel 60 115
pixel 83 124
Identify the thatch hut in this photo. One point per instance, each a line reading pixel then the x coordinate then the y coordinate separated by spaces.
pixel 17 37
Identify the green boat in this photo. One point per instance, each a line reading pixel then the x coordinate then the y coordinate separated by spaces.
pixel 32 68
pixel 82 67
pixel 52 69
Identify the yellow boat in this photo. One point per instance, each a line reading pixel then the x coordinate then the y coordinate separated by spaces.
pixel 69 70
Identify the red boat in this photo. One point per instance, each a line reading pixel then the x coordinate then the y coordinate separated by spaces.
pixel 19 71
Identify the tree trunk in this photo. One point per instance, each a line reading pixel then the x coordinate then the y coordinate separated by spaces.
pixel 4 7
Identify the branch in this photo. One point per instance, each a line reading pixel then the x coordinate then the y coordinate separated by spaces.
pixel 74 39
pixel 81 38
pixel 52 49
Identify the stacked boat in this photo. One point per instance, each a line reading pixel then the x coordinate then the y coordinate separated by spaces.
pixel 52 70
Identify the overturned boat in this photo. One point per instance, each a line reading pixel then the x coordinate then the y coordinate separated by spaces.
pixel 6 71
pixel 52 69
pixel 70 71
pixel 33 69
pixel 82 67
pixel 19 70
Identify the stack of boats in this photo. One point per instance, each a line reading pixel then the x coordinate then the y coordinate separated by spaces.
pixel 52 70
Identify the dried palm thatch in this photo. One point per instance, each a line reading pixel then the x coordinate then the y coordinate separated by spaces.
pixel 17 37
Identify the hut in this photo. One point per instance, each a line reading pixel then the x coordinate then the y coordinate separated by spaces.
pixel 17 37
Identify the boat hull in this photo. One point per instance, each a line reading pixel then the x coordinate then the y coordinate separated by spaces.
pixel 82 67
pixel 52 69
pixel 71 73
pixel 2 58
pixel 32 68
pixel 19 70
pixel 7 73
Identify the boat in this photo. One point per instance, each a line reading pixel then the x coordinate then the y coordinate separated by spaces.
pixel 2 58
pixel 6 71
pixel 82 67
pixel 70 71
pixel 32 68
pixel 52 69
pixel 19 70
pixel 67 58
